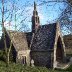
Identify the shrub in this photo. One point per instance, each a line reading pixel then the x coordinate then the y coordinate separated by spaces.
pixel 21 68
pixel 2 55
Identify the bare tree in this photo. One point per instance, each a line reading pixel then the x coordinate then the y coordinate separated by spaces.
pixel 13 15
pixel 64 17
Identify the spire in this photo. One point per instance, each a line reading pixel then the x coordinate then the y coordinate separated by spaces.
pixel 34 5
pixel 35 11
pixel 35 19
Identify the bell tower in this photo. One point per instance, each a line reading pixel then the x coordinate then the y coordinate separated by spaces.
pixel 35 19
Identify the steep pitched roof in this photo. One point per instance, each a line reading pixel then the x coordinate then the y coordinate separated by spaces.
pixel 18 39
pixel 29 37
pixel 44 38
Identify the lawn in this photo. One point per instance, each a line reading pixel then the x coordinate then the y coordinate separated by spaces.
pixel 20 68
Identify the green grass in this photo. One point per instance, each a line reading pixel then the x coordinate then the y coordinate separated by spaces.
pixel 20 68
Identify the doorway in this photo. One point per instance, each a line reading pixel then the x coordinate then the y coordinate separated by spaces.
pixel 24 60
pixel 59 50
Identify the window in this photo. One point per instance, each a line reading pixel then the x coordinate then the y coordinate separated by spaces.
pixel 24 60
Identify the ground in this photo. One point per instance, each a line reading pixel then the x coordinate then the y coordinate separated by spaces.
pixel 20 68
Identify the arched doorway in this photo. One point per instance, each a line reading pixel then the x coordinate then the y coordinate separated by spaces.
pixel 59 50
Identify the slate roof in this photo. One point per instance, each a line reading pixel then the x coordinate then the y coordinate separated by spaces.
pixel 29 37
pixel 20 40
pixel 44 38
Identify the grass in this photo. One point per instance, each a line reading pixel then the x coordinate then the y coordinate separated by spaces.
pixel 13 67
pixel 20 68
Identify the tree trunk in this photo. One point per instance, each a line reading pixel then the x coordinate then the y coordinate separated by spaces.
pixel 8 58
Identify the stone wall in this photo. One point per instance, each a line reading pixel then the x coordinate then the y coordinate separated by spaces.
pixel 42 58
pixel 22 54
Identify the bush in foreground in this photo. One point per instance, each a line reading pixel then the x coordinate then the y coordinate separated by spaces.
pixel 20 68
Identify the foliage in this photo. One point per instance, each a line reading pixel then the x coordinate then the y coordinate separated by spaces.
pixel 21 68
pixel 2 55
pixel 69 69
pixel 68 43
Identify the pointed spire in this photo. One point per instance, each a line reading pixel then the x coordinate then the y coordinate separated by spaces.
pixel 35 19
pixel 34 5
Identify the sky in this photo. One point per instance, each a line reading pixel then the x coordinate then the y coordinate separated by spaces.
pixel 48 13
